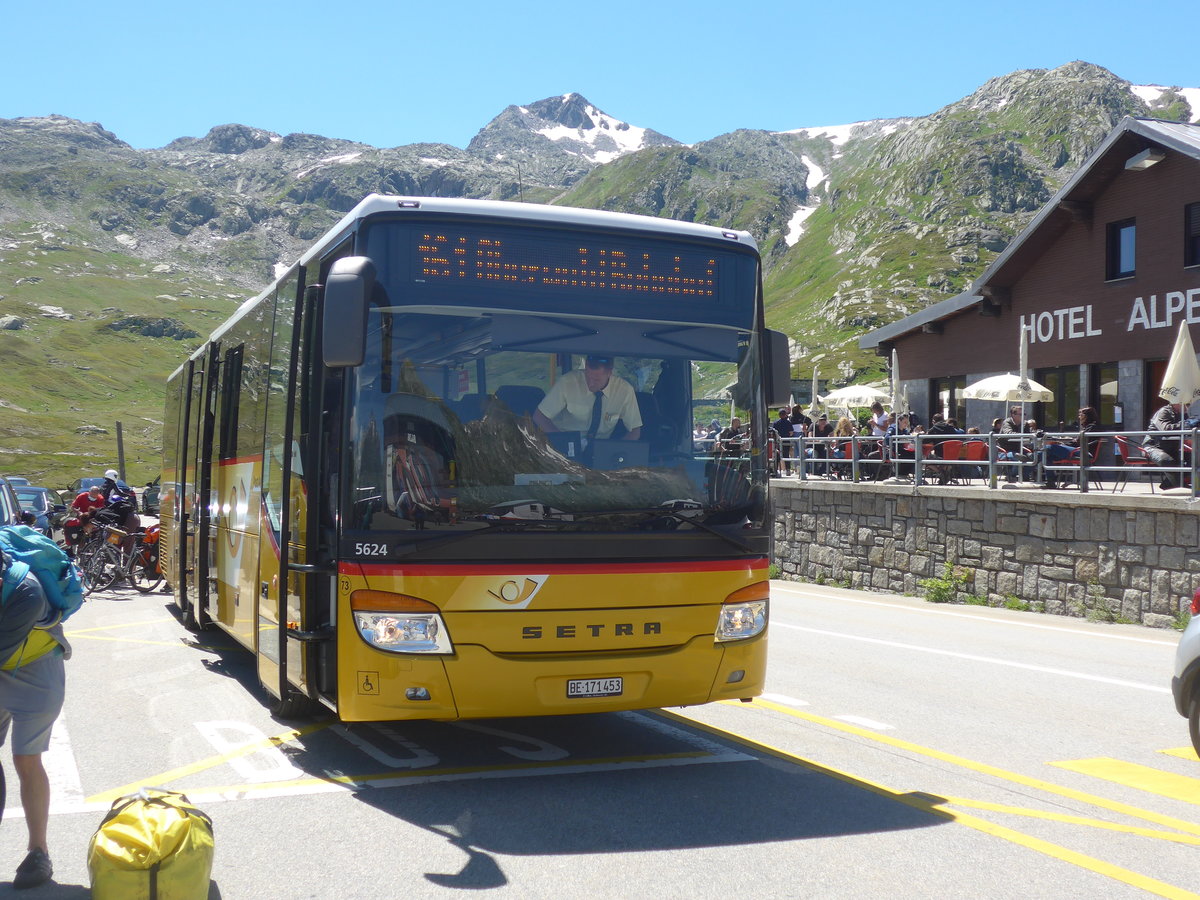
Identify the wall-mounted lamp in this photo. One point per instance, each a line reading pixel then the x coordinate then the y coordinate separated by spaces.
pixel 1145 159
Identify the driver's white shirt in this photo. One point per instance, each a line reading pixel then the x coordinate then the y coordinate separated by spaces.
pixel 569 404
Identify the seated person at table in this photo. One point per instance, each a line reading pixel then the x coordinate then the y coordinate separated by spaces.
pixel 591 401
pixel 1059 452
pixel 1164 451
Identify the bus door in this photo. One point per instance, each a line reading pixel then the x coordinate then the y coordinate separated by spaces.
pixel 190 465
pixel 290 633
pixel 200 584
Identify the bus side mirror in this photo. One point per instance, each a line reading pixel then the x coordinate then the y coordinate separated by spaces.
pixel 348 287
pixel 778 369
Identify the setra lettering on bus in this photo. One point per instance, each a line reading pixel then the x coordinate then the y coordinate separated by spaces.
pixel 621 629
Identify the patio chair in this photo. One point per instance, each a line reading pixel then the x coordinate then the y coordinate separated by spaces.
pixel 976 452
pixel 1131 458
pixel 1072 476
pixel 948 473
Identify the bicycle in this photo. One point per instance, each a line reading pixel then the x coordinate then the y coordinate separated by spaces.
pixel 104 560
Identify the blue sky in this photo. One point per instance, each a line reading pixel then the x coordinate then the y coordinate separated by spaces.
pixel 392 73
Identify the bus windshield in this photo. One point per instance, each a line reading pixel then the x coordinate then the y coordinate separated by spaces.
pixel 462 419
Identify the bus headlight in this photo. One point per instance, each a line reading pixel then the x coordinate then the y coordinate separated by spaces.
pixel 743 614
pixel 399 623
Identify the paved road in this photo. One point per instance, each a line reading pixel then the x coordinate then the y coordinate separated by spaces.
pixel 905 750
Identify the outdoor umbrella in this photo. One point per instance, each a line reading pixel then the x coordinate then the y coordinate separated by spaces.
pixel 1009 387
pixel 854 395
pixel 896 381
pixel 1181 383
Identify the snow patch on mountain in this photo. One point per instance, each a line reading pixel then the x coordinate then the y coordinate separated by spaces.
pixel 1151 93
pixel 599 137
pixel 795 226
pixel 342 159
pixel 816 175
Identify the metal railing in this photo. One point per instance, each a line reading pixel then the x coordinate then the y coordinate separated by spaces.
pixel 1009 458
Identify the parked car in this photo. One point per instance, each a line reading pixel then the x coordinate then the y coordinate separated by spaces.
pixel 17 480
pixel 1185 685
pixel 10 506
pixel 150 498
pixel 46 505
pixel 78 486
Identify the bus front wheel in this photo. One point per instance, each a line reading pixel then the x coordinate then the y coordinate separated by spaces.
pixel 293 706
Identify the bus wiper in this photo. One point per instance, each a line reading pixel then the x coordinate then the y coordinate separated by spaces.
pixel 688 516
pixel 506 526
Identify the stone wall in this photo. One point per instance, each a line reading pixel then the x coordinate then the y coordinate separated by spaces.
pixel 1099 554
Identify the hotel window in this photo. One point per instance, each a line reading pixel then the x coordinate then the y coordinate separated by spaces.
pixel 1059 414
pixel 1191 234
pixel 1121 249
pixel 946 398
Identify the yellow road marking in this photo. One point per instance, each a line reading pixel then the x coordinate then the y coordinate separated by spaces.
pixel 1076 820
pixel 932 806
pixel 982 768
pixel 1144 778
pixel 72 632
pixel 1182 753
pixel 121 640
pixel 391 775
pixel 163 778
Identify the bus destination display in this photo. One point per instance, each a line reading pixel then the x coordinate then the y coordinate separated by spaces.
pixel 520 260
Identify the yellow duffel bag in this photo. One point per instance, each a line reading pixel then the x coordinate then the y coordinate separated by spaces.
pixel 152 845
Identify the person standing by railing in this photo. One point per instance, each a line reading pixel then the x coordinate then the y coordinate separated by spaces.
pixel 822 429
pixel 901 449
pixel 880 420
pixel 783 428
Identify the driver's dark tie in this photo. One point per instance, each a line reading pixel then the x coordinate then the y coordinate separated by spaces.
pixel 595 423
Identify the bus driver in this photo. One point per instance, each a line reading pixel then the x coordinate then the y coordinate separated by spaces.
pixel 591 401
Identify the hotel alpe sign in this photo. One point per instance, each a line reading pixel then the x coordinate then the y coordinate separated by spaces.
pixel 1071 323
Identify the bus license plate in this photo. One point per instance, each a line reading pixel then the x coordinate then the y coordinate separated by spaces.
pixel 594 687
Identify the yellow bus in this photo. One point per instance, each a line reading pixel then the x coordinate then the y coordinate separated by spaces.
pixel 445 466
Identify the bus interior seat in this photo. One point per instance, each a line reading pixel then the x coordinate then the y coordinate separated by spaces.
pixel 655 430
pixel 522 399
pixel 469 407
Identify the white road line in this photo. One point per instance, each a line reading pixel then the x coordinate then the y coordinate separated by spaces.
pixel 931 611
pixel 785 699
pixel 983 659
pixel 65 785
pixel 866 723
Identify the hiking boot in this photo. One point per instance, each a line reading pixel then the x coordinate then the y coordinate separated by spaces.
pixel 35 869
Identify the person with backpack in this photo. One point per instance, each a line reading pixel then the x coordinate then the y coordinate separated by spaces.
pixel 32 686
pixel 120 507
pixel 83 507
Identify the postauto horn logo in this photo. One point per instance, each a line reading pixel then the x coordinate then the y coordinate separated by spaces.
pixel 517 592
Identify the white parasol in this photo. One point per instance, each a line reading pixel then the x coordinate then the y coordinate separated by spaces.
pixel 1181 383
pixel 896 407
pixel 1010 388
pixel 855 395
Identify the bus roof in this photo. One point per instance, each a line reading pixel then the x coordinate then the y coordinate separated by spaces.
pixel 528 212
pixel 566 216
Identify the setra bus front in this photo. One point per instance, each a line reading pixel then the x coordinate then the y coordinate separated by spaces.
pixel 527 522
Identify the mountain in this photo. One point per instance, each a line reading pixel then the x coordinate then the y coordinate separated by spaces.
pixel 113 261
pixel 560 139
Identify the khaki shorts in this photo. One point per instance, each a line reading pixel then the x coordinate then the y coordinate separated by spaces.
pixel 31 698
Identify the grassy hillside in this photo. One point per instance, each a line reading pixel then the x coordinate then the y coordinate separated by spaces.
pixel 96 368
